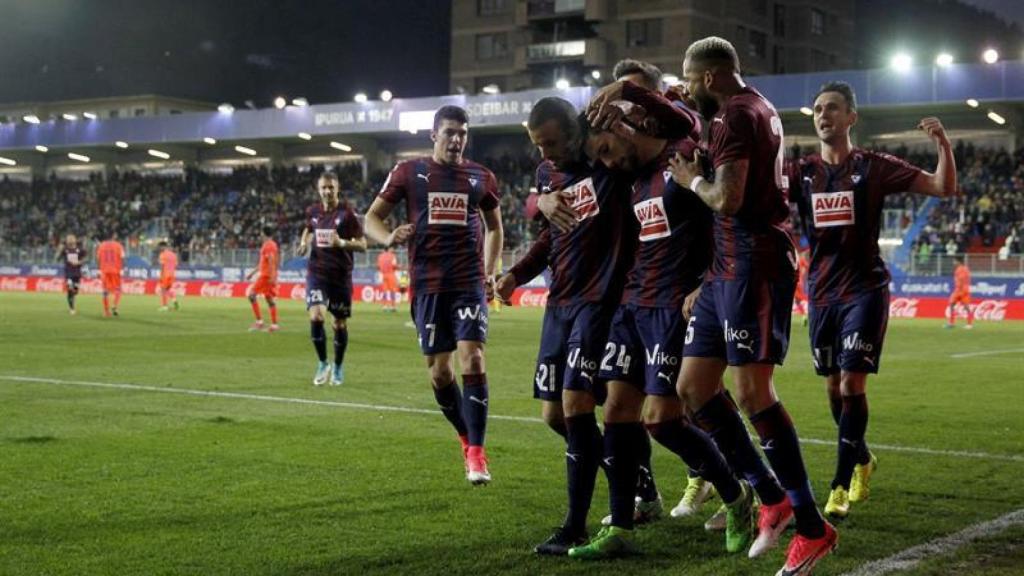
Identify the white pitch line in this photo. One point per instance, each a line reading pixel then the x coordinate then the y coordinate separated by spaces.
pixel 985 353
pixel 913 556
pixel 407 410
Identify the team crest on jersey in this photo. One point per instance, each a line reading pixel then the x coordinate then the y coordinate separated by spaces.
pixel 584 199
pixel 653 219
pixel 472 182
pixel 667 175
pixel 855 178
pixel 833 209
pixel 447 208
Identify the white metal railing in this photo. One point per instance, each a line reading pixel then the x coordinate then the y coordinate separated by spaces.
pixel 979 264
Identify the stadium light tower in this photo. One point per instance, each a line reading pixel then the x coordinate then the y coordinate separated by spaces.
pixel 360 97
pixel 7 161
pixel 491 89
pixel 225 108
pixel 670 79
pixel 41 148
pixel 972 102
pixel 595 74
pixel 300 102
pixel 943 60
pixel 31 118
pixel 901 62
pixel 562 84
pixel 990 56
pixel 280 102
pixel 806 111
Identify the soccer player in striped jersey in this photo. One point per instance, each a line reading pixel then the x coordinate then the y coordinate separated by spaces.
pixel 454 236
pixel 332 234
pixel 587 242
pixel 647 332
pixel 840 193
pixel 73 257
pixel 742 317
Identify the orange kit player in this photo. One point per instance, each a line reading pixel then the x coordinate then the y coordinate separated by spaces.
pixel 961 294
pixel 168 266
pixel 110 256
pixel 387 264
pixel 266 283
pixel 800 296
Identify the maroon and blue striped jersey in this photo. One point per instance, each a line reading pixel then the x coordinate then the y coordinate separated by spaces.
pixel 674 232
pixel 444 203
pixel 754 241
pixel 326 261
pixel 840 211
pixel 588 263
pixel 73 258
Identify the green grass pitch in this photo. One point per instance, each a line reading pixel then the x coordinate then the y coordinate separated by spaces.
pixel 109 480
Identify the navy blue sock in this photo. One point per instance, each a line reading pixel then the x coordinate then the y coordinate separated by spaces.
pixel 720 418
pixel 852 426
pixel 559 428
pixel 646 489
pixel 449 398
pixel 782 447
pixel 699 452
pixel 835 403
pixel 583 455
pixel 474 407
pixel 621 450
pixel 71 301
pixel 319 338
pixel 340 345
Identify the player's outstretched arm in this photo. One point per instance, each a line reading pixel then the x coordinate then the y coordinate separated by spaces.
pixel 351 244
pixel 303 247
pixel 725 195
pixel 943 182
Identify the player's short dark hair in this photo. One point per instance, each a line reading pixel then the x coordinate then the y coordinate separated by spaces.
pixel 450 112
pixel 162 244
pixel 713 51
pixel 554 108
pixel 841 87
pixel 268 230
pixel 650 72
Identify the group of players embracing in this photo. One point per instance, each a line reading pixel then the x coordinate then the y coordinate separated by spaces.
pixel 666 231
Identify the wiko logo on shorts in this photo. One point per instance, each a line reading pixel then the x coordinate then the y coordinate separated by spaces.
pixel 469 313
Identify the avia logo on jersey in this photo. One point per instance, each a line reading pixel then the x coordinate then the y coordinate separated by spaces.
pixel 447 208
pixel 324 237
pixel 854 342
pixel 578 362
pixel 584 200
pixel 656 357
pixel 73 258
pixel 653 219
pixel 833 209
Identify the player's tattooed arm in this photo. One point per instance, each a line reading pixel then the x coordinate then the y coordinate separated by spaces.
pixel 725 195
pixel 377 230
pixel 943 182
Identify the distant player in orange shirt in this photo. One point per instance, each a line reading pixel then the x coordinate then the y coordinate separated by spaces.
pixel 110 257
pixel 266 282
pixel 961 294
pixel 800 296
pixel 387 265
pixel 168 266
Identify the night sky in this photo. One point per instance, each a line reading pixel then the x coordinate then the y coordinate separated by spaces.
pixel 223 50
pixel 234 50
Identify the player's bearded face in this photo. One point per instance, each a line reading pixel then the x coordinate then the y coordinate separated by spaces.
pixel 450 141
pixel 612 150
pixel 696 85
pixel 552 142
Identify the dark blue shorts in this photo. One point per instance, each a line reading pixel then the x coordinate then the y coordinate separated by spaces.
pixel 848 336
pixel 73 282
pixel 644 348
pixel 742 321
pixel 336 296
pixel 445 318
pixel 571 342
